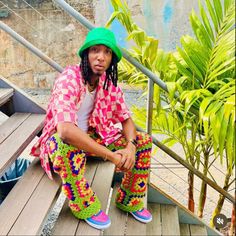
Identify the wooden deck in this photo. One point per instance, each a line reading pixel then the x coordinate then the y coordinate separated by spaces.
pixel 5 95
pixel 15 135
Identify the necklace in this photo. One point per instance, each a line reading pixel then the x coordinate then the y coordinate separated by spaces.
pixel 91 87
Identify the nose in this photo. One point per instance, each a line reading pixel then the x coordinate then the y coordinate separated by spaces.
pixel 101 56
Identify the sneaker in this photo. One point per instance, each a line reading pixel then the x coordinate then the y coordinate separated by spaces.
pixel 99 221
pixel 142 215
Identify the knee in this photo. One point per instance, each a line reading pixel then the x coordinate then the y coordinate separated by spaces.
pixel 144 139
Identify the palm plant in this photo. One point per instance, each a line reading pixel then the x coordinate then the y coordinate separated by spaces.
pixel 202 74
pixel 208 62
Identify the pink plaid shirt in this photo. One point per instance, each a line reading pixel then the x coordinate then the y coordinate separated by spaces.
pixel 67 95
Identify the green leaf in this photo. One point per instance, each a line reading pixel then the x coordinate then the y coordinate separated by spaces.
pixel 169 141
pixel 171 86
pixel 112 18
pixel 199 30
pixel 212 14
pixel 218 10
pixel 191 64
pixel 206 22
pixel 230 144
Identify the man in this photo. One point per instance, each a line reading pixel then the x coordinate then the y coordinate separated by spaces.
pixel 85 105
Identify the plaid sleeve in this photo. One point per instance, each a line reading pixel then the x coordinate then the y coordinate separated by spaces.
pixel 120 109
pixel 65 95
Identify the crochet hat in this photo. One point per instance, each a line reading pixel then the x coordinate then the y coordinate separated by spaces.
pixel 101 36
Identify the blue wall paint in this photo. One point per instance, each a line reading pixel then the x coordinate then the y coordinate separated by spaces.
pixel 165 20
pixel 167 13
pixel 118 29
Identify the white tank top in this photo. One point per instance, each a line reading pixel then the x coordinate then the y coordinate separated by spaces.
pixel 86 109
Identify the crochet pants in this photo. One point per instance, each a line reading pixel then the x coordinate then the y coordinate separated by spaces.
pixel 69 162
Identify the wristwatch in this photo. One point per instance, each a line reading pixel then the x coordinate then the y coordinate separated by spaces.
pixel 133 141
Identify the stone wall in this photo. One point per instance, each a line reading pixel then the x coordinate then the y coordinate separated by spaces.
pixel 51 30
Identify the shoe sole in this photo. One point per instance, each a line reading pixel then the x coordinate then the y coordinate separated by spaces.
pixel 98 226
pixel 140 219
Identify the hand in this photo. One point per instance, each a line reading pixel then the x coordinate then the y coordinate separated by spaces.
pixel 116 158
pixel 127 159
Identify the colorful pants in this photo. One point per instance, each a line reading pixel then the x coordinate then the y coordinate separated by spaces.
pixel 69 162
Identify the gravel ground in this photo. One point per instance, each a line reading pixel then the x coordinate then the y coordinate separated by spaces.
pixel 166 173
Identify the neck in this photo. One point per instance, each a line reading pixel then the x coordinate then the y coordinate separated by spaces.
pixel 92 85
pixel 94 79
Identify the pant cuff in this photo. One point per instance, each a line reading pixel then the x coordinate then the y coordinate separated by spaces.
pixel 89 211
pixel 137 207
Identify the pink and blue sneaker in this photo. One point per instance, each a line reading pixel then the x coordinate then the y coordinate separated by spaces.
pixel 99 221
pixel 142 215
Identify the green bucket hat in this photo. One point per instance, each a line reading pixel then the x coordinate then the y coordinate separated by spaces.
pixel 101 36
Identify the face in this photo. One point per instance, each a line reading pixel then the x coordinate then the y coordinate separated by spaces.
pixel 99 57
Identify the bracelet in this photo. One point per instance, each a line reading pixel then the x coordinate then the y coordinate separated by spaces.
pixel 133 141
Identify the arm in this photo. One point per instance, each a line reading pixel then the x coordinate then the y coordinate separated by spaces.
pixel 73 135
pixel 129 131
pixel 129 152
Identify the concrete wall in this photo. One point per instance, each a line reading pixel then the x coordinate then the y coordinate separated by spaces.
pixel 166 20
pixel 59 36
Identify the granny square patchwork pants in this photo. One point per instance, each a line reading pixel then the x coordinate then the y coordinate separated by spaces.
pixel 69 162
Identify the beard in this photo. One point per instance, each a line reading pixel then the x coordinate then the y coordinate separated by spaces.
pixel 98 73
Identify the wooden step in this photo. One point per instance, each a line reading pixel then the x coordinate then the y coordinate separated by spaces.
pixel 191 230
pixel 165 220
pixel 170 220
pixel 99 174
pixel 118 217
pixel 5 95
pixel 155 226
pixel 26 206
pixel 15 135
pixel 123 223
pixel 185 217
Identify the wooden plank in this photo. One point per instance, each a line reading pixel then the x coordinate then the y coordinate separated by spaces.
pixel 11 124
pixel 66 223
pixel 135 227
pixel 22 102
pixel 101 186
pixel 118 217
pixel 31 218
pixel 12 147
pixel 196 230
pixel 156 195
pixel 169 220
pixel 184 229
pixel 16 200
pixel 154 227
pixel 5 95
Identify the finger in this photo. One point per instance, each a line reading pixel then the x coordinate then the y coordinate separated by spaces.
pixel 130 164
pixel 126 164
pixel 122 162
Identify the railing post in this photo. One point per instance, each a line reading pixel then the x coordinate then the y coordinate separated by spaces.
pixel 150 106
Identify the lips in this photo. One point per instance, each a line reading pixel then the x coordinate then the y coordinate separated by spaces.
pixel 100 67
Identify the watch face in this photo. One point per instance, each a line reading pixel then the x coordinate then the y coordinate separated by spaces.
pixel 133 141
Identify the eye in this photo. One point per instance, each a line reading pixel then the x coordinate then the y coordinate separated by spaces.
pixel 108 51
pixel 94 49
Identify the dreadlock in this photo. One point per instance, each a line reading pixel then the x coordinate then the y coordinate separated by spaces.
pixel 111 72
